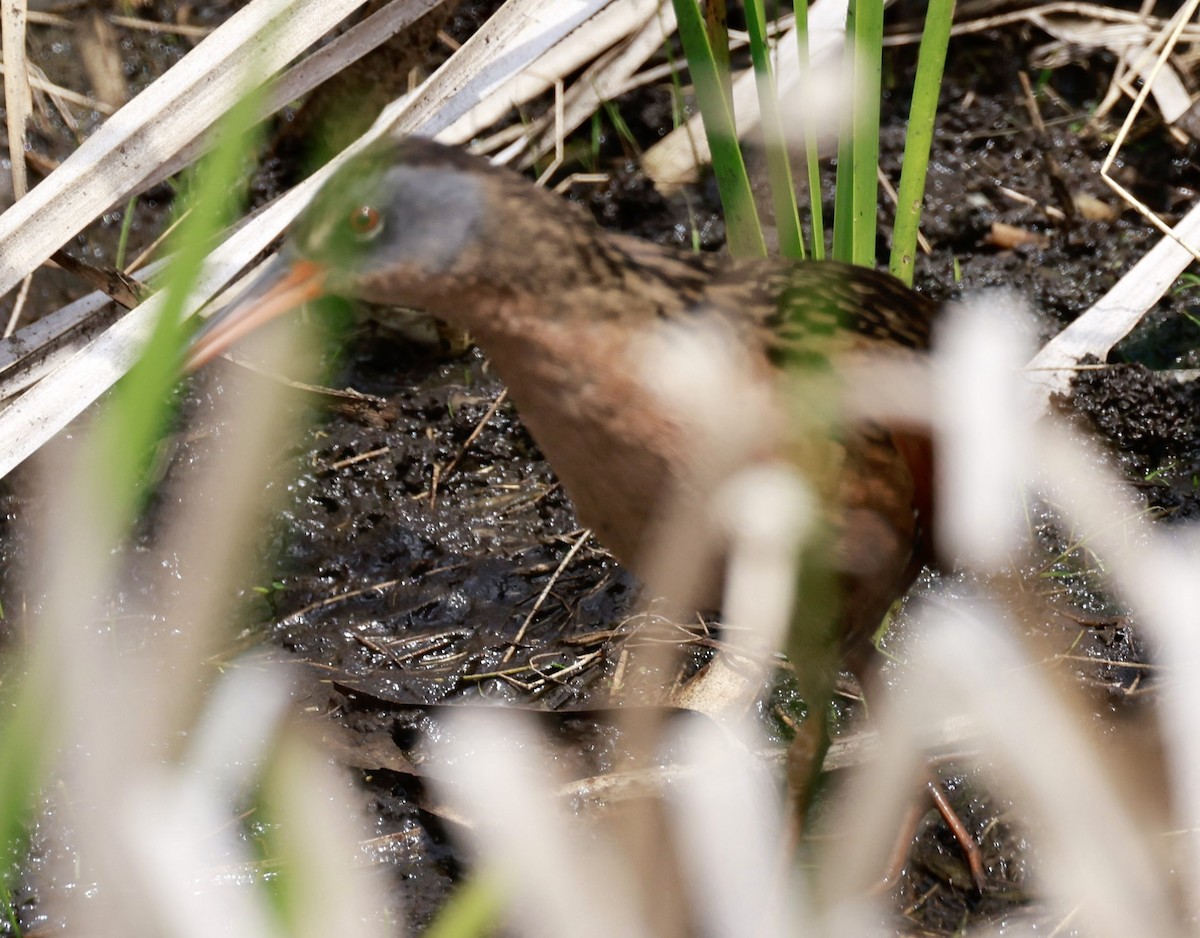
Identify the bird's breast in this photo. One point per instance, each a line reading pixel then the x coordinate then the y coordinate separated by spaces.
pixel 615 446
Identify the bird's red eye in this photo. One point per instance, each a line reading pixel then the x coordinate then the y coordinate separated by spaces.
pixel 365 221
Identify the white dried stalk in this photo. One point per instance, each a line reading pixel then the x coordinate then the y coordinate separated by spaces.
pixel 58 398
pixel 1153 570
pixel 18 101
pixel 151 825
pixel 982 428
pixel 256 41
pixel 1140 25
pixel 968 662
pixel 524 840
pixel 305 75
pixel 728 822
pixel 505 46
pixel 59 94
pixel 604 81
pixel 1135 45
pixel 1155 71
pixel 768 511
pixel 609 25
pixel 1111 318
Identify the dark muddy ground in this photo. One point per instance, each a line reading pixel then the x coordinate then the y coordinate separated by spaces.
pixel 407 560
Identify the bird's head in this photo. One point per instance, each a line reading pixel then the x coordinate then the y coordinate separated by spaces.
pixel 406 222
pixel 395 220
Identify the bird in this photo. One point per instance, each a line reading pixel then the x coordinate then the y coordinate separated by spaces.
pixel 562 306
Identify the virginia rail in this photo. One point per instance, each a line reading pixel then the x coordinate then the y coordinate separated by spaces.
pixel 560 306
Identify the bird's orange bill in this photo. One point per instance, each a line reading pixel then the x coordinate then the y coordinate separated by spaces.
pixel 282 287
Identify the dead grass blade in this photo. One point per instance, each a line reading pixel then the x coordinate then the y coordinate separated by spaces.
pixel 170 113
pixel 18 100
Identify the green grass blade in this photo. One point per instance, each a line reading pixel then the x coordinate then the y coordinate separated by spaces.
pixel 868 71
pixel 472 911
pixel 28 733
pixel 141 404
pixel 779 170
pixel 716 24
pixel 741 218
pixel 843 190
pixel 123 237
pixel 843 198
pixel 811 157
pixel 931 62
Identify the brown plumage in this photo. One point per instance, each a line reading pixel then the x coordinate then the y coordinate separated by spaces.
pixel 562 308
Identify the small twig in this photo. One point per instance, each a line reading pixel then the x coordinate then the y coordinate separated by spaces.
pixel 890 191
pixel 1057 183
pixel 558 135
pixel 442 472
pixel 18 305
pixel 1036 15
pixel 1031 105
pixel 559 676
pixel 1183 16
pixel 157 242
pixel 299 614
pixel 58 94
pixel 150 26
pixel 516 640
pixel 361 457
pixel 970 849
pixel 1021 197
pixel 121 288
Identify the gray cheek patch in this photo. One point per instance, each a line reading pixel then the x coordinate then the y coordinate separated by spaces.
pixel 433 215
